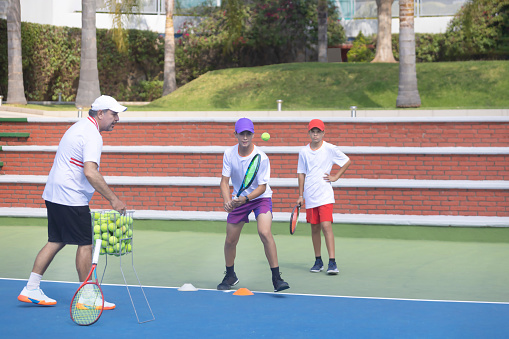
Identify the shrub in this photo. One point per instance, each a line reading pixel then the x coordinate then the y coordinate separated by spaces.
pixel 480 30
pixel 360 52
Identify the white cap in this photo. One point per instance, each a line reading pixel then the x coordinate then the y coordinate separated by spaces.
pixel 105 102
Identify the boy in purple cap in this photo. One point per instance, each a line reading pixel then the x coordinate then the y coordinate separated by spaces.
pixel 315 178
pixel 255 198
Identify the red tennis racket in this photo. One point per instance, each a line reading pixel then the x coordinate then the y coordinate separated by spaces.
pixel 88 301
pixel 294 218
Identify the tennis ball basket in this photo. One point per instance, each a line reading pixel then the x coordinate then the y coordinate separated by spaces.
pixel 115 230
pixel 116 233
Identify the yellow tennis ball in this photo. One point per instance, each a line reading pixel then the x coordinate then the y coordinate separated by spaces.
pixel 113 240
pixel 114 215
pixel 112 227
pixel 118 233
pixel 97 229
pixel 265 136
pixel 104 227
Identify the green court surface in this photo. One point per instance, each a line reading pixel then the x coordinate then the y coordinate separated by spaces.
pixel 438 263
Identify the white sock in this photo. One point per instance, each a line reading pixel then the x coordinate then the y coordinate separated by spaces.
pixel 34 281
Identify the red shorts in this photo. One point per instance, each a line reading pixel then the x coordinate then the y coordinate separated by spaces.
pixel 319 214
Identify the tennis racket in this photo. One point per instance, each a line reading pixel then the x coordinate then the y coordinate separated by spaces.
pixel 294 218
pixel 88 302
pixel 251 172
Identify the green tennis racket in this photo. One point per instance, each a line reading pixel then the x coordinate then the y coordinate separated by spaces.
pixel 250 175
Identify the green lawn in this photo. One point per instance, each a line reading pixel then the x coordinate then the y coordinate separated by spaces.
pixel 324 86
pixel 336 86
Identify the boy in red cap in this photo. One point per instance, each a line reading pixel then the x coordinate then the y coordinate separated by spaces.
pixel 256 198
pixel 315 188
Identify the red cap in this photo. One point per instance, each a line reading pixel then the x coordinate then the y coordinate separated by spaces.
pixel 316 123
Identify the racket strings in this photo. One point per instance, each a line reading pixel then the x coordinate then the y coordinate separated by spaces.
pixel 87 304
pixel 251 171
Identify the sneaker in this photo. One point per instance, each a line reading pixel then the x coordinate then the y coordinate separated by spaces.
pixel 333 268
pixel 279 284
pixel 228 282
pixel 88 303
pixel 317 267
pixel 36 296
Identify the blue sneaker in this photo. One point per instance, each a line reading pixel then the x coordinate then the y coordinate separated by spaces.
pixel 333 268
pixel 317 267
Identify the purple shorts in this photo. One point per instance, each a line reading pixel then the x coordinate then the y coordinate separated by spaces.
pixel 241 213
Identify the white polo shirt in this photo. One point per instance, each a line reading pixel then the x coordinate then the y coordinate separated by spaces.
pixel 67 184
pixel 314 164
pixel 235 167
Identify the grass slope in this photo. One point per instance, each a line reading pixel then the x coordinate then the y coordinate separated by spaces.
pixel 312 86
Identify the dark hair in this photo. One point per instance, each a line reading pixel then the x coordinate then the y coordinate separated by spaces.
pixel 92 113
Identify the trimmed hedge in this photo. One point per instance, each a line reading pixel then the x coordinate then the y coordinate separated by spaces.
pixel 51 63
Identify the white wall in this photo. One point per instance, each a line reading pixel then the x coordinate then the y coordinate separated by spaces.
pixel 421 25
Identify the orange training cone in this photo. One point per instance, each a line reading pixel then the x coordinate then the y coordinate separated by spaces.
pixel 243 291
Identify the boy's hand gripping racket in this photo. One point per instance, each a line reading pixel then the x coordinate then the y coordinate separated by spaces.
pixel 88 301
pixel 294 218
pixel 251 172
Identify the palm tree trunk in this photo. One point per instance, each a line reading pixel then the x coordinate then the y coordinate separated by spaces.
pixel 322 30
pixel 88 87
pixel 408 94
pixel 383 37
pixel 170 82
pixel 15 88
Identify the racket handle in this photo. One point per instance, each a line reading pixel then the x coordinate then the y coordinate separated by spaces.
pixel 97 249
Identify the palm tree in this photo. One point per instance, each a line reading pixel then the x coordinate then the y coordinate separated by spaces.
pixel 16 90
pixel 383 37
pixel 88 86
pixel 170 82
pixel 322 30
pixel 408 94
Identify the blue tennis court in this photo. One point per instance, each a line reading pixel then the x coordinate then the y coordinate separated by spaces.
pixel 216 314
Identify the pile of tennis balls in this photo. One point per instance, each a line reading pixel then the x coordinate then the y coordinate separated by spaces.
pixel 115 231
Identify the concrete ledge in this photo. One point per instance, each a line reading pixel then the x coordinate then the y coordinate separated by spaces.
pixel 299 116
pixel 281 182
pixel 369 219
pixel 277 149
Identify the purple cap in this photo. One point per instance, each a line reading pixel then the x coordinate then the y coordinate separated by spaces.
pixel 244 124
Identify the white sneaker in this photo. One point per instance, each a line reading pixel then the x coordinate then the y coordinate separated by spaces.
pixel 36 296
pixel 87 303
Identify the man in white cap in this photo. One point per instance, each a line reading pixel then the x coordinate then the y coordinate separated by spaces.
pixel 72 181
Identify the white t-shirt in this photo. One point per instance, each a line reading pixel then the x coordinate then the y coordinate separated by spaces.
pixel 67 184
pixel 314 164
pixel 235 167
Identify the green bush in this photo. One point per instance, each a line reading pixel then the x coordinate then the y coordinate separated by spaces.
pixel 51 63
pixel 271 32
pixel 360 51
pixel 480 30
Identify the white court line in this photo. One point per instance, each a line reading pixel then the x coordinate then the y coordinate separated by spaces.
pixel 299 294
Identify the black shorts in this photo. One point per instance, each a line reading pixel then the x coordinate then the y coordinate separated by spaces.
pixel 71 225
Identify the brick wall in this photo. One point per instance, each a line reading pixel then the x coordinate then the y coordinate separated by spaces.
pixel 412 134
pixel 370 166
